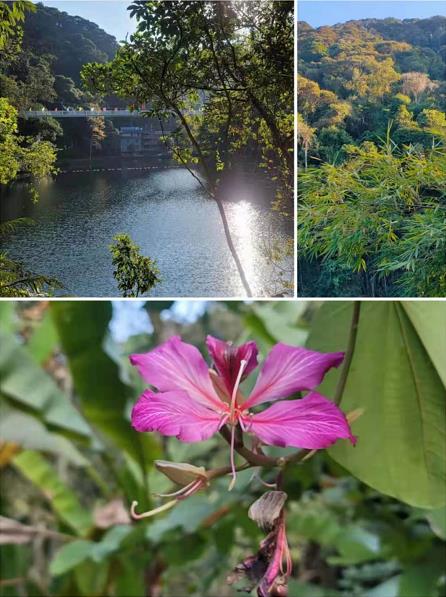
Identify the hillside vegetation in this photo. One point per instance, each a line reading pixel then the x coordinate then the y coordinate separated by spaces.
pixel 41 68
pixel 372 132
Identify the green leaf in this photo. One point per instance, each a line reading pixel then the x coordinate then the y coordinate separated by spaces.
pixel 82 328
pixel 402 433
pixel 92 577
pixel 187 515
pixel 281 320
pixel 303 589
pixel 7 314
pixel 388 588
pixel 356 545
pixel 110 542
pixel 69 556
pixel 30 433
pixel 421 579
pixel 429 320
pixel 63 501
pixel 23 380
pixel 437 521
pixel 43 340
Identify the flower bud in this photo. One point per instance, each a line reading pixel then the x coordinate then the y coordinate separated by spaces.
pixel 267 509
pixel 181 473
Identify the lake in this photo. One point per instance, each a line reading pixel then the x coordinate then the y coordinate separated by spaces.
pixel 165 212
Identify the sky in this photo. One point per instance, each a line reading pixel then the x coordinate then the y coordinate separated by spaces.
pixel 130 317
pixel 330 12
pixel 113 17
pixel 110 15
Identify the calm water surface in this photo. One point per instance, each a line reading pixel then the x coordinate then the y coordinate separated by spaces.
pixel 165 213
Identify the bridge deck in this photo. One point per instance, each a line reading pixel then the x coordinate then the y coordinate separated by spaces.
pixel 82 113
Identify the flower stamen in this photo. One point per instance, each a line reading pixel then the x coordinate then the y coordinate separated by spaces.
pixel 150 513
pixel 234 418
pixel 184 491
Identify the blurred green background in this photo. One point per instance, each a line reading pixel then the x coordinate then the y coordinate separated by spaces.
pixel 368 521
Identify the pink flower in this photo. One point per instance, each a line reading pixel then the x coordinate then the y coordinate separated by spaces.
pixel 193 402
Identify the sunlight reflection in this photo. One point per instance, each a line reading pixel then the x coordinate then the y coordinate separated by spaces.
pixel 241 216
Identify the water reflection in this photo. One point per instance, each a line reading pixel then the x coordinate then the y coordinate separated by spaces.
pixel 164 211
pixel 242 218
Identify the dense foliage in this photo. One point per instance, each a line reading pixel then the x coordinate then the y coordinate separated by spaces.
pixel 363 521
pixel 372 137
pixel 134 273
pixel 24 156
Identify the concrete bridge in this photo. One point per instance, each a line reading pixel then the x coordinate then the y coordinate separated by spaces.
pixel 82 113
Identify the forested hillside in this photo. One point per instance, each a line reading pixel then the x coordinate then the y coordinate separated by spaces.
pixel 71 40
pixel 43 70
pixel 372 131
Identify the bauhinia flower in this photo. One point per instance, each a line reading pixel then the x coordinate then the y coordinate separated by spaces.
pixel 193 402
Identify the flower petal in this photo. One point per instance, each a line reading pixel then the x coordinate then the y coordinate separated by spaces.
pixel 175 413
pixel 289 369
pixel 176 365
pixel 227 359
pixel 313 422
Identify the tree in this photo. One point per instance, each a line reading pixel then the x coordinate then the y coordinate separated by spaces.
pixel 12 14
pixel 31 158
pixel 134 273
pixel 305 134
pixel 415 84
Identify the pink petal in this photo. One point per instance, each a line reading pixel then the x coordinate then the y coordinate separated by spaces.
pixel 175 413
pixel 176 365
pixel 227 359
pixel 289 369
pixel 312 422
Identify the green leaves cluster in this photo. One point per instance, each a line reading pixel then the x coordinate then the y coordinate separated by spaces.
pixel 371 118
pixel 134 273
pixel 379 217
pixel 12 14
pixel 31 159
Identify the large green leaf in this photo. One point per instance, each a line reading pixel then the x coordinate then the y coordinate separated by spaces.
pixel 30 433
pixel 63 501
pixel 401 449
pixel 281 320
pixel 27 383
pixel 7 315
pixel 72 554
pixel 83 329
pixel 43 340
pixel 429 320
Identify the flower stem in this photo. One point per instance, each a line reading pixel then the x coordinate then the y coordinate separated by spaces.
pixel 348 353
